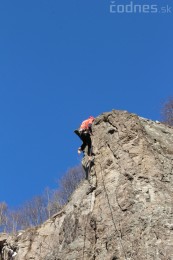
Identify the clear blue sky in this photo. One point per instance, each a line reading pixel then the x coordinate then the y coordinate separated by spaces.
pixel 61 61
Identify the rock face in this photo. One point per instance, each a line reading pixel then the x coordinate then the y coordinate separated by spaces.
pixel 130 213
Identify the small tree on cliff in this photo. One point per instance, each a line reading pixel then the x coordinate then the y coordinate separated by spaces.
pixel 167 112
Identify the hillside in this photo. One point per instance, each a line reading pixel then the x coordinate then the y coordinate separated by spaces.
pixel 129 215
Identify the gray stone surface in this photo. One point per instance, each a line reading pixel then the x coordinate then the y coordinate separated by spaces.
pixel 130 213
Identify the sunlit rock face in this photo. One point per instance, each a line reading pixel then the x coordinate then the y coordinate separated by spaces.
pixel 129 214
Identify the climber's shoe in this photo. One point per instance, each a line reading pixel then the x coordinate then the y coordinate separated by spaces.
pixel 76 131
pixel 79 150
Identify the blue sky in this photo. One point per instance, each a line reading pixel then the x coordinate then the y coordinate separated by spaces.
pixel 61 61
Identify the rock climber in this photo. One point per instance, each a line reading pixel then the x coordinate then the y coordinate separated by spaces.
pixel 7 252
pixel 84 132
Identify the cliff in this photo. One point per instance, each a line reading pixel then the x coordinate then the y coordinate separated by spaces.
pixel 129 214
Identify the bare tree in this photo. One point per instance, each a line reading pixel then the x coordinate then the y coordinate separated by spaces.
pixel 3 216
pixel 167 112
pixel 69 183
pixel 14 221
pixel 52 201
pixel 35 211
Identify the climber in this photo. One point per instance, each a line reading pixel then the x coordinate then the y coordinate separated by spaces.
pixel 8 252
pixel 84 132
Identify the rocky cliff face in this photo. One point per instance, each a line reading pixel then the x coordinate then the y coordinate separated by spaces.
pixel 129 214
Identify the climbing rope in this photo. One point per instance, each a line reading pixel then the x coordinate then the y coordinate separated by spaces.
pixel 83 253
pixel 110 207
pixel 88 172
